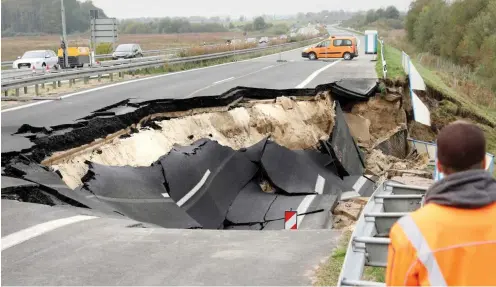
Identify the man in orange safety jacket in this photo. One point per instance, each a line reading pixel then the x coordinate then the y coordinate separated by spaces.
pixel 451 240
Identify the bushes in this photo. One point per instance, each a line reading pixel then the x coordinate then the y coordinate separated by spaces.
pixel 464 32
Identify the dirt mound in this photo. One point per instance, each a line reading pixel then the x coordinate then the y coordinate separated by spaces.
pixel 385 165
pixel 385 115
pixel 293 124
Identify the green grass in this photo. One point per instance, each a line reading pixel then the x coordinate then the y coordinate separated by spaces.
pixel 433 80
pixel 393 61
pixel 328 273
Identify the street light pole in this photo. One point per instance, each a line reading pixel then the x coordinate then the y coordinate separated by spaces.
pixel 64 33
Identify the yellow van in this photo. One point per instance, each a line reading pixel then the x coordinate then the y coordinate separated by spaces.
pixel 335 47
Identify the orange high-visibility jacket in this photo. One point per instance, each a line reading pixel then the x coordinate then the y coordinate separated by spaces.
pixel 451 240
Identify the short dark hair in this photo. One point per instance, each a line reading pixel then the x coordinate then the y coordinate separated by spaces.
pixel 461 146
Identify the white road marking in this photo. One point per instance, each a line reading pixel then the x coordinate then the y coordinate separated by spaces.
pixel 39 229
pixel 303 207
pixel 232 78
pixel 319 184
pixel 359 183
pixel 195 189
pixel 139 80
pixel 166 195
pixel 222 81
pixel 315 74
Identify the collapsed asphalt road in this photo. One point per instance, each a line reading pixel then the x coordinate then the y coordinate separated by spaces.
pixel 203 184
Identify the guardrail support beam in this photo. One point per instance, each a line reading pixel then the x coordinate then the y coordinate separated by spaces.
pixel 43 85
pixel 111 77
pixel 59 84
pixel 99 77
pixel 25 90
pixel 86 80
pixel 17 92
pixel 36 89
pixel 6 93
pixel 54 84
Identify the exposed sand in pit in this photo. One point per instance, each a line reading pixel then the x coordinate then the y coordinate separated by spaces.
pixel 293 124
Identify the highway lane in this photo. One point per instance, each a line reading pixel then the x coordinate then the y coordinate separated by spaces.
pixel 108 251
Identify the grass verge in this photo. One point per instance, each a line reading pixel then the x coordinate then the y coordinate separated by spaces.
pixel 393 61
pixel 328 273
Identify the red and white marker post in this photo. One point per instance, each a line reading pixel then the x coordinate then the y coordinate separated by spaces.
pixel 290 220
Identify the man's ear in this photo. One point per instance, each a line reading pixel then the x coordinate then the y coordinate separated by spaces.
pixel 440 167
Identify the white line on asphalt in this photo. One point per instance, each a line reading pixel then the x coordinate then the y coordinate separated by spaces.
pixel 233 78
pixel 319 184
pixel 303 207
pixel 166 195
pixel 195 189
pixel 315 74
pixel 359 183
pixel 139 80
pixel 222 81
pixel 39 229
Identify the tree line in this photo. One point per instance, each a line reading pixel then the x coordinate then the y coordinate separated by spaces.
pixel 168 26
pixel 44 17
pixel 463 31
pixel 391 16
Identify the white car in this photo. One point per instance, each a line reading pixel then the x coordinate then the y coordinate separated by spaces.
pixel 263 40
pixel 40 59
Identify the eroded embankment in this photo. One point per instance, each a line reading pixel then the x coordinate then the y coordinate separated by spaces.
pixel 295 124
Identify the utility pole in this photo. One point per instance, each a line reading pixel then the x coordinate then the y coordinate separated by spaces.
pixel 64 34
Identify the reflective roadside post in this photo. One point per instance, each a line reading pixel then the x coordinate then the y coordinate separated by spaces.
pixel 290 220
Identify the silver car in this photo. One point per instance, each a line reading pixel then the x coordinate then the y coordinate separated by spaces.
pixel 39 59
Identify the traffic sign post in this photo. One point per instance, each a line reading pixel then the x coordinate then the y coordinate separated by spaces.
pixel 103 30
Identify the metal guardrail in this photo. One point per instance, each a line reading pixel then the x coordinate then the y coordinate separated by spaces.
pixel 37 79
pixel 369 242
pixel 147 52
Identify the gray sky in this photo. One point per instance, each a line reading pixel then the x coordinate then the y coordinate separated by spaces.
pixel 234 8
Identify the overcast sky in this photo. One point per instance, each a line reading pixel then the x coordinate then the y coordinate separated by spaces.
pixel 234 8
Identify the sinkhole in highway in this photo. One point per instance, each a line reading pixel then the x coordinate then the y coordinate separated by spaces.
pixel 238 160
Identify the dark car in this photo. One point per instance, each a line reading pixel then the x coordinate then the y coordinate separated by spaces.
pixel 127 51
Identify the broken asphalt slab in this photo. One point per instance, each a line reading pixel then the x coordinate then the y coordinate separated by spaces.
pixel 285 170
pixel 205 179
pixel 137 192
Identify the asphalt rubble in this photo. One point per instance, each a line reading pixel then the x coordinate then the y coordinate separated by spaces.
pixel 311 146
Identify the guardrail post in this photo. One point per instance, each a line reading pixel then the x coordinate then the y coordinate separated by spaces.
pixel 111 77
pixel 36 90
pixel 59 84
pixel 43 85
pixel 17 92
pixel 25 90
pixel 54 85
pixel 99 78
pixel 86 79
pixel 6 93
